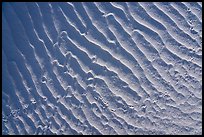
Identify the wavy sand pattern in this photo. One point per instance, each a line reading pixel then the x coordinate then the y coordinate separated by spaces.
pixel 102 68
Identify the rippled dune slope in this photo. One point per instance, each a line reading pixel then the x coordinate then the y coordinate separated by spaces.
pixel 102 68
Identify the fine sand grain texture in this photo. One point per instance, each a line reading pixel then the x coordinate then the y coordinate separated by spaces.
pixel 102 68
